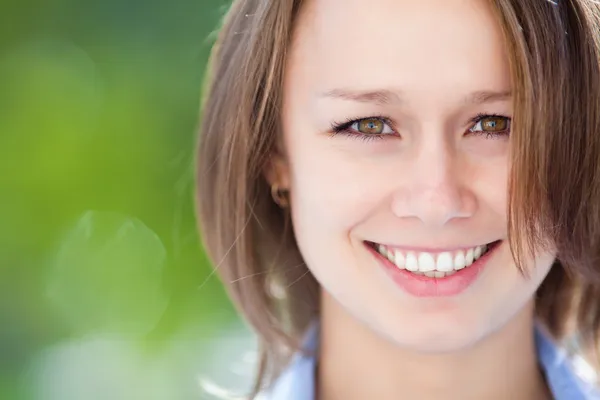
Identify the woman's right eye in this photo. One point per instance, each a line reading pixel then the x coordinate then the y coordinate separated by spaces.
pixel 371 126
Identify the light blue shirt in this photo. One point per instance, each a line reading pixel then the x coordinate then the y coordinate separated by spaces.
pixel 297 382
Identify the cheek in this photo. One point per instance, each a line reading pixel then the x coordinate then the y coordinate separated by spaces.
pixel 332 193
pixel 489 180
pixel 332 190
pixel 506 289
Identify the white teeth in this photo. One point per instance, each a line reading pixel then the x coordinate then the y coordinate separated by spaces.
pixel 399 259
pixel 426 262
pixel 432 265
pixel 459 260
pixel 444 262
pixel 435 274
pixel 391 256
pixel 411 262
pixel 469 257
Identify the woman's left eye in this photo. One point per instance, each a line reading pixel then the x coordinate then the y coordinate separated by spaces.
pixel 491 125
pixel 372 126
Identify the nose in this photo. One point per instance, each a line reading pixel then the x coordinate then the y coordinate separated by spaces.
pixel 436 190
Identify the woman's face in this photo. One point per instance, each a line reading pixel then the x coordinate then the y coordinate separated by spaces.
pixel 396 130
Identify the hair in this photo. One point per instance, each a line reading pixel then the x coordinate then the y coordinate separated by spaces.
pixel 553 188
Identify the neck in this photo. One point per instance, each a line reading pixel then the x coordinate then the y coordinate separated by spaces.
pixel 356 363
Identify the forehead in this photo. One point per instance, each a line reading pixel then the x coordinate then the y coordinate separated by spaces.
pixel 420 47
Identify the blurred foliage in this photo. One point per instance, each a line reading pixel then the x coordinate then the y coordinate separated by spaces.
pixel 99 106
pixel 84 269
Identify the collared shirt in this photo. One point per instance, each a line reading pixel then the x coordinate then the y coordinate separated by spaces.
pixel 297 382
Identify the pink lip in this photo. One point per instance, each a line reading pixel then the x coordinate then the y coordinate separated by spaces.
pixel 423 286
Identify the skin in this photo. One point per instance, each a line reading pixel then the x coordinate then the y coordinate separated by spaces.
pixel 432 183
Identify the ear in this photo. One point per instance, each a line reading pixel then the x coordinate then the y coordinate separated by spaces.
pixel 277 171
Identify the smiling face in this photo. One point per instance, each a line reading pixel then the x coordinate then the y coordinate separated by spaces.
pixel 396 129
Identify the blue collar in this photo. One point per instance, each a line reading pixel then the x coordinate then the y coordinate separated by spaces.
pixel 297 382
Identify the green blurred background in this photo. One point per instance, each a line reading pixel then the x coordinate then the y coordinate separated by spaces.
pixel 105 292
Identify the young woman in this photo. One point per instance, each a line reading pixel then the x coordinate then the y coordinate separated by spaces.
pixel 403 197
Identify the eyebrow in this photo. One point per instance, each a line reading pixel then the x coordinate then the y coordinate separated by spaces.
pixel 382 96
pixel 487 96
pixel 387 96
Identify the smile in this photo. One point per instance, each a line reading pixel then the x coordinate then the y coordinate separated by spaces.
pixel 433 273
pixel 433 265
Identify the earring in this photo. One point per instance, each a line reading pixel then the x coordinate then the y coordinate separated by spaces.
pixel 279 196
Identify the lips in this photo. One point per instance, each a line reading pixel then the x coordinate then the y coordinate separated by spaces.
pixel 420 276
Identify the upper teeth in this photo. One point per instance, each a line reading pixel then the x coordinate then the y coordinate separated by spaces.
pixel 426 262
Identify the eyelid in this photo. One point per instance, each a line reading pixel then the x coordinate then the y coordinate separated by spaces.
pixel 386 130
pixel 478 119
pixel 339 127
pixel 503 134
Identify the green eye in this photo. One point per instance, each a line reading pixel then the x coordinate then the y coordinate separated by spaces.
pixel 374 127
pixel 370 126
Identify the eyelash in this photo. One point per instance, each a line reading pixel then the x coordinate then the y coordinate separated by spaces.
pixel 344 128
pixel 490 135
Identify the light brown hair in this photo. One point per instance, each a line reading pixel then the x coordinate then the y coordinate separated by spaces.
pixel 554 185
